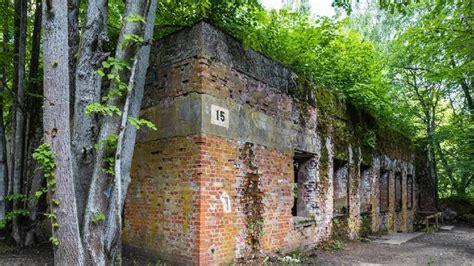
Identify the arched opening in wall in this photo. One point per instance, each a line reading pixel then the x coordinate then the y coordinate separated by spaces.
pixel 341 188
pixel 383 190
pixel 365 189
pixel 398 192
pixel 304 184
pixel 409 192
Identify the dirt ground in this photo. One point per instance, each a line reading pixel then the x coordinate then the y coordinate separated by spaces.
pixel 454 247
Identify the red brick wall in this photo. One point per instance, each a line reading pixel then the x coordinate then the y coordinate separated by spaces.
pixel 162 203
pixel 174 206
pixel 225 164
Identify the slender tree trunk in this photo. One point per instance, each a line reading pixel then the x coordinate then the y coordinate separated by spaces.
pixel 430 152
pixel 3 144
pixel 19 112
pixel 126 140
pixel 87 90
pixel 57 130
pixel 73 40
pixel 94 233
pixel 35 127
pixel 468 96
pixel 3 160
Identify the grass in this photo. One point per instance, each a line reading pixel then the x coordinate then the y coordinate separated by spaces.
pixel 332 245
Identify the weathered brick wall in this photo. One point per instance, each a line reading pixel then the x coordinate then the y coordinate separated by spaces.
pixel 207 193
pixel 163 201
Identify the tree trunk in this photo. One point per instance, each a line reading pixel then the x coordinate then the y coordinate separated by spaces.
pixel 35 128
pixel 57 131
pixel 87 90
pixel 19 110
pixel 3 159
pixel 73 40
pixel 430 152
pixel 94 232
pixel 467 95
pixel 126 140
pixel 3 144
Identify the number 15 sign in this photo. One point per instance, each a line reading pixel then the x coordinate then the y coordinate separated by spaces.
pixel 219 116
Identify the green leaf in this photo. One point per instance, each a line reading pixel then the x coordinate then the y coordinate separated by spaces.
pixel 109 110
pixel 138 123
pixel 38 194
pixel 98 217
pixel 54 241
pixel 133 18
pixel 101 73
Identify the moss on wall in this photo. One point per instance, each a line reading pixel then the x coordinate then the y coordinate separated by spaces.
pixel 352 125
pixel 365 226
pixel 340 228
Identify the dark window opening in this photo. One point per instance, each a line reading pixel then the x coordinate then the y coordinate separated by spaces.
pixel 398 192
pixel 365 199
pixel 384 190
pixel 341 187
pixel 300 160
pixel 294 209
pixel 410 191
pixel 418 192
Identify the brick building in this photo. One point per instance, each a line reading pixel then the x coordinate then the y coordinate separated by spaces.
pixel 248 159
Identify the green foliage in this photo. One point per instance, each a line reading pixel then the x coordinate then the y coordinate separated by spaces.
pixel 295 190
pixel 109 166
pixel 320 50
pixel 365 230
pixel 134 18
pixel 432 68
pixel 102 109
pixel 370 139
pixel 332 245
pixel 98 217
pixel 427 58
pixel 110 143
pixel 47 161
pixel 55 202
pixel 50 215
pixel 54 240
pixel 16 197
pixel 45 158
pixel 129 39
pixel 110 69
pixel 38 194
pixel 12 214
pixel 138 123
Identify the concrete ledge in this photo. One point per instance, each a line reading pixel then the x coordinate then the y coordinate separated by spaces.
pixel 192 115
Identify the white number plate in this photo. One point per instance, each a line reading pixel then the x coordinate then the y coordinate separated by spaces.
pixel 219 116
